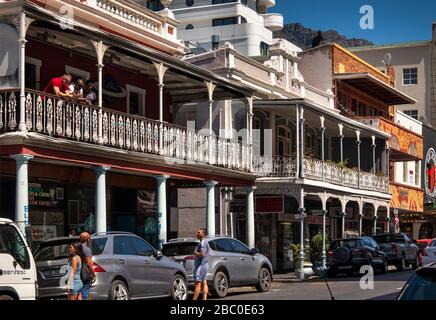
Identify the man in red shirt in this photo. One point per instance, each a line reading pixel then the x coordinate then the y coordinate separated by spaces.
pixel 59 86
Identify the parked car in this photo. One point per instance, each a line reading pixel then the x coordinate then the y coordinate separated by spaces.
pixel 126 267
pixel 231 263
pixel 421 286
pixel 400 250
pixel 429 255
pixel 51 257
pixel 350 254
pixel 17 265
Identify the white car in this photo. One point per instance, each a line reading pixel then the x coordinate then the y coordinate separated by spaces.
pixel 17 266
pixel 429 255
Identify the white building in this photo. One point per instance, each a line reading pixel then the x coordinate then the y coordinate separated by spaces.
pixel 246 24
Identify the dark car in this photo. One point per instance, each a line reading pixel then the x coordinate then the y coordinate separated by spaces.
pixel 349 255
pixel 400 250
pixel 421 286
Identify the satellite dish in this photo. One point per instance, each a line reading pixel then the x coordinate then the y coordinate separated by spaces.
pixel 387 59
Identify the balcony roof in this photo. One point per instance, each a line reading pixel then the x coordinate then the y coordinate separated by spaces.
pixel 287 107
pixel 376 88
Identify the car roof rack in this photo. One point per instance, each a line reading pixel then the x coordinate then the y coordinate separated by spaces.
pixel 112 232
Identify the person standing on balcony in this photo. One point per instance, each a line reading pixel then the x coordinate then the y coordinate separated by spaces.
pixel 59 86
pixel 76 89
pixel 90 93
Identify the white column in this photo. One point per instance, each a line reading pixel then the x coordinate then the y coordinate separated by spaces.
pixel 360 218
pixel 210 215
pixel 100 50
pixel 161 70
pixel 322 119
pixel 250 133
pixel 341 141
pixel 324 215
pixel 22 78
pixel 343 214
pixel 358 141
pixel 302 257
pixel 100 201
pixel 302 146
pixel 251 237
pixel 22 191
pixel 210 89
pixel 161 210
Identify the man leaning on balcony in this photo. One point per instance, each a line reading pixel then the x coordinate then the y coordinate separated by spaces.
pixel 59 86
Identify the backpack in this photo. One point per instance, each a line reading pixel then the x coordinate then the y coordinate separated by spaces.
pixel 86 274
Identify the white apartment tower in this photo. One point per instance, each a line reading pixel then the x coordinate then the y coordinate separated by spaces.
pixel 206 24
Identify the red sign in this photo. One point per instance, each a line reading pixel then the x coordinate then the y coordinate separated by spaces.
pixel 270 204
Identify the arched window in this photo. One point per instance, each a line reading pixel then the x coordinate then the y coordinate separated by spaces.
pixel 189 27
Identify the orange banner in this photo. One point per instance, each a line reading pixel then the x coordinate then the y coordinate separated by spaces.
pixel 407 198
pixel 403 140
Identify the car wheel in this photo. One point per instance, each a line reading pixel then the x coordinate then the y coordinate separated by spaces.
pixel 402 265
pixel 118 291
pixel 415 264
pixel 6 297
pixel 220 284
pixel 179 288
pixel 264 283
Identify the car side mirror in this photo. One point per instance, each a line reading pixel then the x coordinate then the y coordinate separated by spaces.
pixel 254 251
pixel 158 254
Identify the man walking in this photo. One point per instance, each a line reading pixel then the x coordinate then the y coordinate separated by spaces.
pixel 201 265
pixel 86 262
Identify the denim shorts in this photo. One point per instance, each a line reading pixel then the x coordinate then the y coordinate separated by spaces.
pixel 200 272
pixel 76 286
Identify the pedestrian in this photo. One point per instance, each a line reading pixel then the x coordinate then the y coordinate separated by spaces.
pixel 88 277
pixel 59 86
pixel 201 265
pixel 74 283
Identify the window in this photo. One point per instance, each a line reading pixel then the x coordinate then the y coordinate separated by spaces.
pixel 412 113
pixel 135 100
pixel 32 70
pixel 155 5
pixel 189 27
pixel 224 21
pixel 243 20
pixel 189 3
pixel 123 246
pixel 77 73
pixel 11 243
pixel 264 49
pixel 222 245
pixel 141 247
pixel 405 171
pixel 97 246
pixel 410 76
pixel 238 247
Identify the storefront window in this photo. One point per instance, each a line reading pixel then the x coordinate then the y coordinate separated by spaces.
pixel 147 217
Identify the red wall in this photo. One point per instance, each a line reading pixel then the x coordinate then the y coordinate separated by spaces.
pixel 54 60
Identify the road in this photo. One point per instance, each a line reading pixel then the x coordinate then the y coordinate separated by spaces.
pixel 386 287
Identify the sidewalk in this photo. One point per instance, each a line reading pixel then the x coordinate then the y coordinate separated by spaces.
pixel 291 278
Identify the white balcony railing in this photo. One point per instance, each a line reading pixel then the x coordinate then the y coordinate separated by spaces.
pixel 49 115
pixel 315 169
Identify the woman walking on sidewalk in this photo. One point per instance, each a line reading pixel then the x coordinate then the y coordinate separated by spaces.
pixel 74 283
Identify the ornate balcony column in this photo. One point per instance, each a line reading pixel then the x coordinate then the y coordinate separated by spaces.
pixel 358 141
pixel 302 120
pixel 341 139
pixel 373 154
pixel 161 70
pixel 21 22
pixel 210 215
pixel 100 50
pixel 100 199
pixel 324 215
pixel 22 191
pixel 322 119
pixel 387 150
pixel 375 219
pixel 303 214
pixel 360 217
pixel 250 115
pixel 251 242
pixel 161 209
pixel 210 90
pixel 343 216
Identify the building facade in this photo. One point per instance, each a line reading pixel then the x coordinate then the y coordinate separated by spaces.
pixel 413 75
pixel 123 159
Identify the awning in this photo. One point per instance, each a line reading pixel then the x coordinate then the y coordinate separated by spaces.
pixel 376 88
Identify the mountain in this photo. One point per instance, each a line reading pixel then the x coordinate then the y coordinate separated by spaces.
pixel 302 36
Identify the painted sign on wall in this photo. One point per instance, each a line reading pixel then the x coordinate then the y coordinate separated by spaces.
pixel 407 198
pixel 430 174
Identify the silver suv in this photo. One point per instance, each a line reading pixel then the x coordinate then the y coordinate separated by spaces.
pixel 231 263
pixel 126 266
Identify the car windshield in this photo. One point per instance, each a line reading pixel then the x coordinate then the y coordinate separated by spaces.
pixel 179 249
pixel 350 244
pixel 422 286
pixel 53 251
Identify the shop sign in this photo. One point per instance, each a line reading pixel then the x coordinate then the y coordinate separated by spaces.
pixel 430 174
pixel 45 195
pixel 405 198
pixel 270 204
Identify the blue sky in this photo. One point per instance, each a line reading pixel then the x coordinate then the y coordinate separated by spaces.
pixel 394 20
